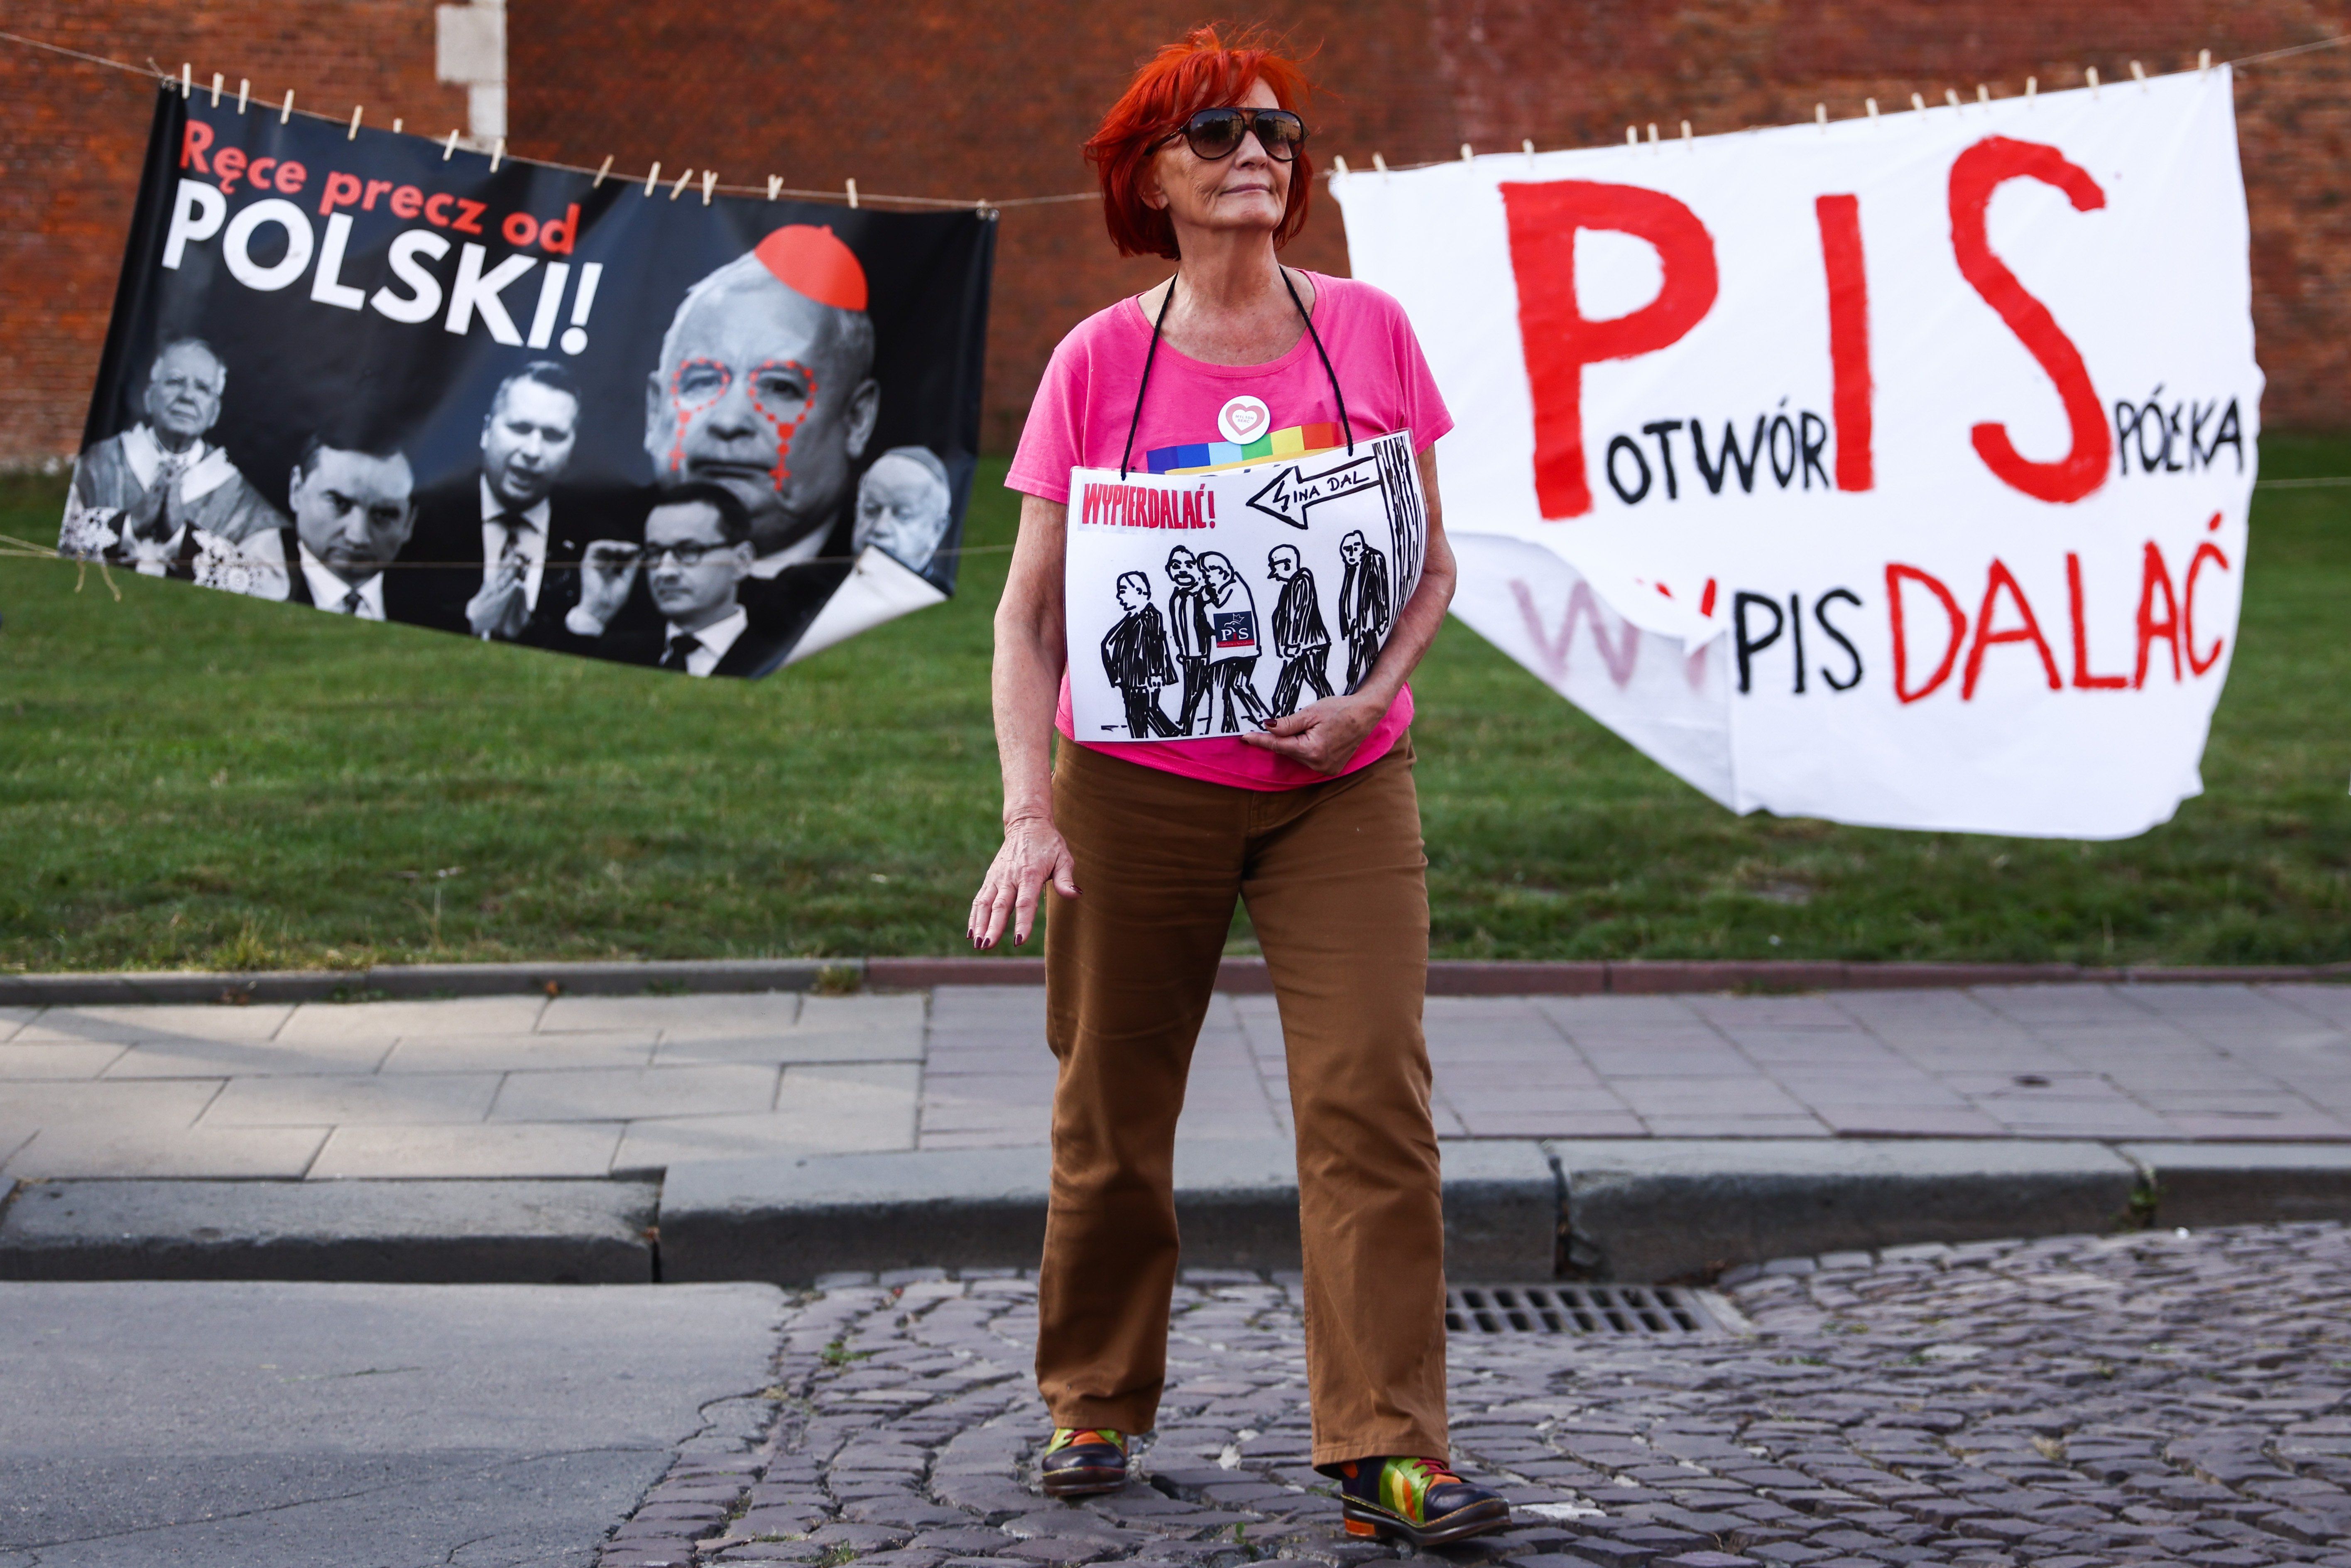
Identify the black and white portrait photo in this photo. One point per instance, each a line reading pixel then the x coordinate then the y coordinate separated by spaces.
pixel 560 434
pixel 905 506
pixel 158 497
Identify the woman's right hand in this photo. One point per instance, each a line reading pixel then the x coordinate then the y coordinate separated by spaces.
pixel 1032 855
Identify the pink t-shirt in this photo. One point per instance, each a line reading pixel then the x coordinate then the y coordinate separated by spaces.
pixel 1087 397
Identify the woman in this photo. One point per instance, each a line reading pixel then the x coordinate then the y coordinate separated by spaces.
pixel 1310 817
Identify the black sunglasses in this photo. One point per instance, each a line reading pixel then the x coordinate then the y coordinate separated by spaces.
pixel 1216 134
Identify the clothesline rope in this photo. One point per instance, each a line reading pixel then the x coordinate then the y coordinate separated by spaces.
pixel 851 196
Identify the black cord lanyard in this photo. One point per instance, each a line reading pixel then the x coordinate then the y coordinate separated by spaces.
pixel 1126 458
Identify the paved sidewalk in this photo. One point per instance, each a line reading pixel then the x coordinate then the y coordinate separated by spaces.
pixel 524 1086
pixel 2069 1403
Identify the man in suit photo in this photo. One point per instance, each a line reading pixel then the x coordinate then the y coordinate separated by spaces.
pixel 696 560
pixel 354 507
pixel 496 551
pixel 765 386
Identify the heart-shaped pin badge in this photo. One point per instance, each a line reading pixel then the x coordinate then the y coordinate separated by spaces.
pixel 1243 420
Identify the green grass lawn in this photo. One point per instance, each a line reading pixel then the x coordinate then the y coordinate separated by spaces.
pixel 192 779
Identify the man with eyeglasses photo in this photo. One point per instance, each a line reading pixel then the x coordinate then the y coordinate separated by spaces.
pixel 696 555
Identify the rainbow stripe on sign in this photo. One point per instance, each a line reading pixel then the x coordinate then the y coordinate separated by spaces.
pixel 1204 456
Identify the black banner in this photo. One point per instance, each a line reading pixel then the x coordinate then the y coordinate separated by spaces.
pixel 386 379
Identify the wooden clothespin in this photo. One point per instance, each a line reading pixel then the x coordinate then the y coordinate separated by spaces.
pixel 187 83
pixel 709 183
pixel 396 123
pixel 775 187
pixel 853 195
pixel 1468 156
pixel 1528 147
pixel 1338 167
pixel 1686 136
pixel 2203 62
pixel 2138 74
pixel 1653 133
pixel 1983 93
pixel 1918 104
pixel 1871 105
pixel 1632 136
pixel 1951 97
pixel 244 90
pixel 2092 72
pixel 353 133
pixel 601 171
pixel 679 189
pixel 287 113
pixel 497 153
pixel 217 88
pixel 1821 115
pixel 1380 164
pixel 449 147
pixel 2032 86
pixel 652 177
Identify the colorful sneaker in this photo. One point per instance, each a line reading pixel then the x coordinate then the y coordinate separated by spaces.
pixel 1082 1461
pixel 1419 1501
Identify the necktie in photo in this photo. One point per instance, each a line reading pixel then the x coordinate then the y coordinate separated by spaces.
pixel 680 646
pixel 353 601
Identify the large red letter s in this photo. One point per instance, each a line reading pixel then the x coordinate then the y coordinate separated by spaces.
pixel 1974 174
pixel 1560 340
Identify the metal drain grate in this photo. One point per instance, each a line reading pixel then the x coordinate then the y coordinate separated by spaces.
pixel 1662 1311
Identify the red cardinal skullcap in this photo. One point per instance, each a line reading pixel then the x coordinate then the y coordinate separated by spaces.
pixel 813 262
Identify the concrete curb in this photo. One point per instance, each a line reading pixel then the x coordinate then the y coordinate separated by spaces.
pixel 410 982
pixel 1669 1210
pixel 1447 978
pixel 1655 1211
pixel 2204 1184
pixel 1236 1206
pixel 413 1232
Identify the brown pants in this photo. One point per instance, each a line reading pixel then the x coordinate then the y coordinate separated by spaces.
pixel 1334 878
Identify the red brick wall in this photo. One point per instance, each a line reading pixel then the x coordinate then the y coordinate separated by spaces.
pixel 71 137
pixel 993 99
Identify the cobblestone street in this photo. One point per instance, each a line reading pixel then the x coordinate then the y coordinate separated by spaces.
pixel 2152 1397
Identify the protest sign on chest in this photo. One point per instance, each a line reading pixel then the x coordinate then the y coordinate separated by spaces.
pixel 1200 601
pixel 639 421
pixel 1894 470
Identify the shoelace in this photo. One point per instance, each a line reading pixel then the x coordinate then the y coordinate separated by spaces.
pixel 1430 1473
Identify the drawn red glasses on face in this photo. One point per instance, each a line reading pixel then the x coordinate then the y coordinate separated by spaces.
pixel 775 385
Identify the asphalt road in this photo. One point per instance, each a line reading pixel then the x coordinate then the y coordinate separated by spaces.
pixel 249 1425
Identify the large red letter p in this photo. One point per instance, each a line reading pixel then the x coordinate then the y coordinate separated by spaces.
pixel 1560 340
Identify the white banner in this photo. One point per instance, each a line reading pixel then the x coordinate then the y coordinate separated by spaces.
pixel 1201 602
pixel 1894 470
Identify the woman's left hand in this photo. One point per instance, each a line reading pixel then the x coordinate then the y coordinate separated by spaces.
pixel 1322 735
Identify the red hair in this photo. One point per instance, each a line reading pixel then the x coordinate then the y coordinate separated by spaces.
pixel 1204 71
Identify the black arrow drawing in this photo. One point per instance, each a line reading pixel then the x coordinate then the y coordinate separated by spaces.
pixel 1290 495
